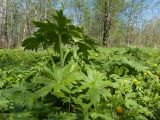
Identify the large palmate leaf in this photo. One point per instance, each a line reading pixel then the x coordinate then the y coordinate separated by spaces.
pixel 57 33
pixel 95 87
pixel 86 44
pixel 17 97
pixel 57 80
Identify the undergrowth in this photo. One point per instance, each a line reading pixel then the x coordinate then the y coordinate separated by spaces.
pixel 111 84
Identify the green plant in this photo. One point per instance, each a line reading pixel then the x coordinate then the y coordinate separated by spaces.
pixel 58 33
pixel 81 90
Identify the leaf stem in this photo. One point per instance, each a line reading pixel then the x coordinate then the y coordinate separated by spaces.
pixel 61 50
pixel 65 55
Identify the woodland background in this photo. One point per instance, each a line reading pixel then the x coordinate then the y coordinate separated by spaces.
pixel 113 23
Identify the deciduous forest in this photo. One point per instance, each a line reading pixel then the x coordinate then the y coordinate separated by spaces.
pixel 79 60
pixel 110 22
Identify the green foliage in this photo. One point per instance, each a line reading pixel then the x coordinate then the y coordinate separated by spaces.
pixel 45 90
pixel 111 84
pixel 58 33
pixel 15 57
pixel 52 33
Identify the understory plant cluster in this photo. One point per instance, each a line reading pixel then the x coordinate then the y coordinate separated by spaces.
pixel 111 84
pixel 75 80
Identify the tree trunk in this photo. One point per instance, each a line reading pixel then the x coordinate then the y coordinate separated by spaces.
pixel 3 23
pixel 107 22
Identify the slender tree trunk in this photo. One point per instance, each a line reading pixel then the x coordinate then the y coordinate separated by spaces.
pixel 3 23
pixel 107 22
pixel 46 5
pixel 5 30
pixel 28 19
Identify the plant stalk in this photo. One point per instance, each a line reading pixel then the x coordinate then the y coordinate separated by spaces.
pixel 61 50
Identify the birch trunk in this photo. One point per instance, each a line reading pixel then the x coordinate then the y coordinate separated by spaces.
pixel 3 23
